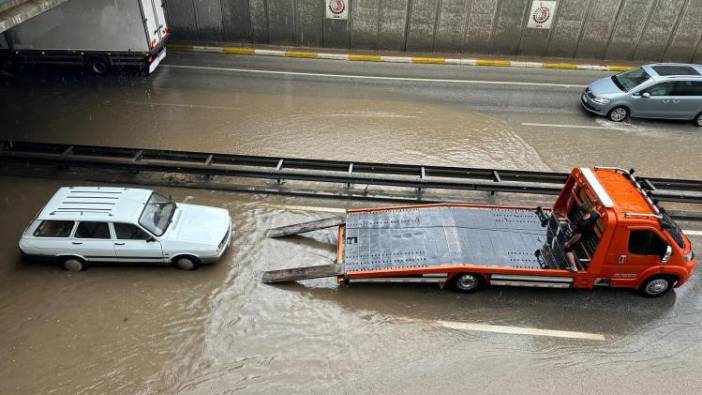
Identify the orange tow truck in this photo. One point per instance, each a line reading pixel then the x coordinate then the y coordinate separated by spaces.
pixel 469 246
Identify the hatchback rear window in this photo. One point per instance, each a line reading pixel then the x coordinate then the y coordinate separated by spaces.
pixel 54 229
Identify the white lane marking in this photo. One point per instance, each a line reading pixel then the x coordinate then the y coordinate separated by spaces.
pixel 304 208
pixel 371 77
pixel 553 125
pixel 693 232
pixel 149 103
pixel 516 330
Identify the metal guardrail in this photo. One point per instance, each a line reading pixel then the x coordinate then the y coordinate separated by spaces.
pixel 343 173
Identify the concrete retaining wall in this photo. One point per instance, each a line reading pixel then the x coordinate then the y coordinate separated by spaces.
pixel 599 29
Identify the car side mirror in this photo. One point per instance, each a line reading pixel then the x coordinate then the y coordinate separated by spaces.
pixel 667 255
pixel 151 239
pixel 646 95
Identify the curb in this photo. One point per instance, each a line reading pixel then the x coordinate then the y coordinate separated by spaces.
pixel 395 59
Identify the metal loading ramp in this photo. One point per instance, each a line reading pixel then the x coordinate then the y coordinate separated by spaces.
pixel 434 236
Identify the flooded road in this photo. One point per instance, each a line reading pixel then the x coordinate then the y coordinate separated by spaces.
pixel 219 330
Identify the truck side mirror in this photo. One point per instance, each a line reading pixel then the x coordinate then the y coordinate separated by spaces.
pixel 667 255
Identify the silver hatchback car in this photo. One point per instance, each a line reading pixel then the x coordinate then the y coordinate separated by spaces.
pixel 663 91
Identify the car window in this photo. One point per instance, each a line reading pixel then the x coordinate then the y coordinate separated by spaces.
pixel 688 88
pixel 646 242
pixel 54 229
pixel 130 232
pixel 157 214
pixel 629 80
pixel 92 230
pixel 662 89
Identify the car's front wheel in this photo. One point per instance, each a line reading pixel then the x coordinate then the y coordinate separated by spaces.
pixel 618 114
pixel 698 120
pixel 73 264
pixel 186 263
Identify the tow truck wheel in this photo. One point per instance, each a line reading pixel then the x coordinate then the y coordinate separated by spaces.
pixel 656 286
pixel 186 263
pixel 618 114
pixel 466 282
pixel 98 65
pixel 73 264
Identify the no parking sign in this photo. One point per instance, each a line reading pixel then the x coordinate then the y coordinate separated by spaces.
pixel 337 9
pixel 542 14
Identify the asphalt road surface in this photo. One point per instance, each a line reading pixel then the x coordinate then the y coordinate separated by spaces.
pixel 218 329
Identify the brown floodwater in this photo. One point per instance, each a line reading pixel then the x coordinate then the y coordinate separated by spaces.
pixel 134 329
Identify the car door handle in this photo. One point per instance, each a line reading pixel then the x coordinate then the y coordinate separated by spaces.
pixel 119 244
pixel 676 101
pixel 665 101
pixel 77 242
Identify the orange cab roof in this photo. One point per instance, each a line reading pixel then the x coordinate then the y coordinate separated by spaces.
pixel 626 197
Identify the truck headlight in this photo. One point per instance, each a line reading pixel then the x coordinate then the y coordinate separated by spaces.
pixel 601 100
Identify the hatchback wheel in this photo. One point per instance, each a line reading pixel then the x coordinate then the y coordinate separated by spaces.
pixel 73 264
pixel 618 114
pixel 187 263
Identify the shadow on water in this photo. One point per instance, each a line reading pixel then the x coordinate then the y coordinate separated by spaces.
pixel 603 310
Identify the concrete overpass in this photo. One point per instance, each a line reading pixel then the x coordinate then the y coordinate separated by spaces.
pixel 14 12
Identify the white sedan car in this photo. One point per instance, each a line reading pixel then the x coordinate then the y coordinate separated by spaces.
pixel 80 225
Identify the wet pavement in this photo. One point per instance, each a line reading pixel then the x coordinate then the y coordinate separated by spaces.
pixel 217 330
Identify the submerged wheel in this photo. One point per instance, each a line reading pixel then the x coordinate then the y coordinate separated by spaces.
pixel 466 282
pixel 73 264
pixel 98 65
pixel 187 263
pixel 656 286
pixel 698 120
pixel 618 114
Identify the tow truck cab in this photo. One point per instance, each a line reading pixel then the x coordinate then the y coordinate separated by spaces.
pixel 636 244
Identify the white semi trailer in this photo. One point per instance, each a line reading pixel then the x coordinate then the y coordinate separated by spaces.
pixel 96 34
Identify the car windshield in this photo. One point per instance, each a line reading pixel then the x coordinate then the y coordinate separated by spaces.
pixel 157 214
pixel 629 80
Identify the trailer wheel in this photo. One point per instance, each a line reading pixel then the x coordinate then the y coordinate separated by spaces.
pixel 98 65
pixel 466 282
pixel 656 286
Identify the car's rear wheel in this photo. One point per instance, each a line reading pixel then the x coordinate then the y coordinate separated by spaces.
pixel 698 120
pixel 466 282
pixel 73 264
pixel 618 114
pixel 186 263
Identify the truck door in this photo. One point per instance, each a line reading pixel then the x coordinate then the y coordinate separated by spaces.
pixel 634 249
pixel 151 23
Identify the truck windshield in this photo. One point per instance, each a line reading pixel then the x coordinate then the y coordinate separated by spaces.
pixel 673 229
pixel 629 80
pixel 157 214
